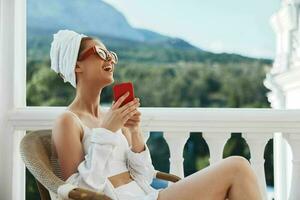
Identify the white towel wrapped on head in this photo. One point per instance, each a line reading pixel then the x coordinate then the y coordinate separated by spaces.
pixel 64 52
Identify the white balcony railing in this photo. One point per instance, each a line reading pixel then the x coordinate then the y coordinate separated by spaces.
pixel 256 125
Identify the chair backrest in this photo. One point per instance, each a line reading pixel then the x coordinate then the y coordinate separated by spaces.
pixel 36 152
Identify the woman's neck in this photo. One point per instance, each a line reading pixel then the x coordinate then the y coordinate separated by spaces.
pixel 88 100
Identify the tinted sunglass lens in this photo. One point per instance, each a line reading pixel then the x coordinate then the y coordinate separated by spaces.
pixel 102 54
pixel 115 57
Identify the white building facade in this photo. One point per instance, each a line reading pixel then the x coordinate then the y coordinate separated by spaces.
pixel 284 82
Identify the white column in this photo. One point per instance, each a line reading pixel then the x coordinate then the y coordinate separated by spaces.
pixel 176 141
pixel 276 96
pixel 294 141
pixel 12 90
pixel 18 178
pixel 283 23
pixel 6 91
pixel 216 143
pixel 279 64
pixel 257 143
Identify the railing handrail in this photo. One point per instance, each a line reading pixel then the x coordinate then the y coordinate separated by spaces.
pixel 181 119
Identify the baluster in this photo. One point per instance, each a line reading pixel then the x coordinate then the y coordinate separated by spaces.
pixel 146 134
pixel 176 141
pixel 216 142
pixel 294 142
pixel 146 129
pixel 257 143
pixel 281 183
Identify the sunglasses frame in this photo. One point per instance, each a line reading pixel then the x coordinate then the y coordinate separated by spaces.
pixel 95 50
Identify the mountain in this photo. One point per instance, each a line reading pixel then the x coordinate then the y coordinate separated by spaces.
pixel 97 18
pixel 90 17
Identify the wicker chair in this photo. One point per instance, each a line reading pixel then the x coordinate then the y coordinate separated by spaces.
pixel 37 153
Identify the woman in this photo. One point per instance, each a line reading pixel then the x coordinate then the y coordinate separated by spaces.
pixel 105 151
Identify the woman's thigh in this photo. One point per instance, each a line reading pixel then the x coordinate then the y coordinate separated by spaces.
pixel 210 183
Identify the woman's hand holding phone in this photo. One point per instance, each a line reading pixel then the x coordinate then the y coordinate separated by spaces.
pixel 117 116
pixel 133 123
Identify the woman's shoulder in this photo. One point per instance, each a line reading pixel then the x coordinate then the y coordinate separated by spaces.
pixel 66 123
pixel 66 118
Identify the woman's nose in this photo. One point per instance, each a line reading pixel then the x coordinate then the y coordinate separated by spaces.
pixel 110 59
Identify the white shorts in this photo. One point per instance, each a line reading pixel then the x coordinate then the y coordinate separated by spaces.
pixel 132 191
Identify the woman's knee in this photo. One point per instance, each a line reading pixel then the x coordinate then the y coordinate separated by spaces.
pixel 239 164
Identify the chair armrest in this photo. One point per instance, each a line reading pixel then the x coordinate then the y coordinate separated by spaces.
pixel 167 176
pixel 84 194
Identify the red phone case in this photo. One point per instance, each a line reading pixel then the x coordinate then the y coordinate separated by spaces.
pixel 120 89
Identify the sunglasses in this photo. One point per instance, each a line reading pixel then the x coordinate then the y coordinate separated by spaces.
pixel 102 53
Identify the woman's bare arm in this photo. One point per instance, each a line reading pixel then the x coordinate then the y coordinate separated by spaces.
pixel 127 134
pixel 66 136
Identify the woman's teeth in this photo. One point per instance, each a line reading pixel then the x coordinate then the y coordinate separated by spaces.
pixel 108 68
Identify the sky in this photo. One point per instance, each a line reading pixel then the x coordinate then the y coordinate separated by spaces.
pixel 232 26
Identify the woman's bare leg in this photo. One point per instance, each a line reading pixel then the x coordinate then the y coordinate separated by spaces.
pixel 231 178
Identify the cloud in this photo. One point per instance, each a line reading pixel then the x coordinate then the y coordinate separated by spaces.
pixel 217 46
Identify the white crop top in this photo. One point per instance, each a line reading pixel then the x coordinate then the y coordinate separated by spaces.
pixel 117 161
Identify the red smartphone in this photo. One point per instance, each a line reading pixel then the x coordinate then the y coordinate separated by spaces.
pixel 120 89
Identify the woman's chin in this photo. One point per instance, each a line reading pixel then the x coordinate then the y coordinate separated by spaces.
pixel 110 80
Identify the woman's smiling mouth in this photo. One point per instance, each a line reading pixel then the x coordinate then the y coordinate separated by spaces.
pixel 108 68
